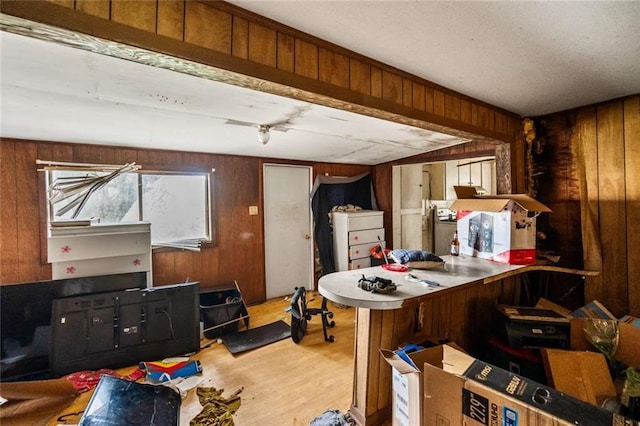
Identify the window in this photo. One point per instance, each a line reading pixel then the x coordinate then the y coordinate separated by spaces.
pixel 177 205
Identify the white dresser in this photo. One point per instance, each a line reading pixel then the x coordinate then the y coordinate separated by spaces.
pixel 354 234
pixel 83 251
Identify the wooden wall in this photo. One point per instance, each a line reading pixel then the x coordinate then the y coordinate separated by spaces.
pixel 237 182
pixel 589 165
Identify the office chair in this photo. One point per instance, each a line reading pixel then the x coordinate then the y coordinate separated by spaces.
pixel 300 314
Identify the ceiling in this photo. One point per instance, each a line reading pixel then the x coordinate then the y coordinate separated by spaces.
pixel 530 58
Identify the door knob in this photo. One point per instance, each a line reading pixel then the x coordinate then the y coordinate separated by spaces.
pixel 307 236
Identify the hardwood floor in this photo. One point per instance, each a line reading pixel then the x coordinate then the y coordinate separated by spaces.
pixel 284 383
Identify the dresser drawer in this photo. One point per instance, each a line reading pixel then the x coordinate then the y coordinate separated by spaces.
pixel 366 236
pixel 365 262
pixel 76 247
pixel 101 266
pixel 359 251
pixel 365 221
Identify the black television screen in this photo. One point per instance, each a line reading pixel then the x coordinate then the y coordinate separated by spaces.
pixel 118 329
pixel 25 319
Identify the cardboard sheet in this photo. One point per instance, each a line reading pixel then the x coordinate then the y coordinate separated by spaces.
pixel 34 402
pixel 584 375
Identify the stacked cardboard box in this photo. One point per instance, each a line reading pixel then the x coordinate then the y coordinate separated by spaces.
pixel 445 386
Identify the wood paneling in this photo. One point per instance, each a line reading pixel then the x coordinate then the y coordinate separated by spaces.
pixel 452 107
pixel 360 77
pixel 391 87
pixel 429 99
pixel 587 161
pixel 64 3
pixel 285 52
pixel 306 59
pixel 27 210
pixel 238 254
pixel 438 102
pixel 139 14
pixel 632 196
pixel 334 68
pixel 611 204
pixel 207 27
pixel 591 155
pixel 171 19
pixel 99 8
pixel 407 93
pixel 418 96
pixel 240 39
pixel 262 44
pixel 376 82
pixel 9 260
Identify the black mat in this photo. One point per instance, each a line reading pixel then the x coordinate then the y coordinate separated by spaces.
pixel 256 337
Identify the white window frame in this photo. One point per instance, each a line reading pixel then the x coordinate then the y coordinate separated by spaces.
pixel 191 244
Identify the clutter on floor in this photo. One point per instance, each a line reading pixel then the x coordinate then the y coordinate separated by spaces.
pixel 34 402
pixel 253 338
pixel 216 409
pixel 118 401
pixel 333 418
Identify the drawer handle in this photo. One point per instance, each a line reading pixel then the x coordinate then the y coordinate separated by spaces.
pixel 355 238
pixel 357 251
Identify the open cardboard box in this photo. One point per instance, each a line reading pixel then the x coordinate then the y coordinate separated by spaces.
pixel 407 382
pixel 458 389
pixel 501 228
pixel 628 351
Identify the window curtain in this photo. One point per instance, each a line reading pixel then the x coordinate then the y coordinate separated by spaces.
pixel 331 191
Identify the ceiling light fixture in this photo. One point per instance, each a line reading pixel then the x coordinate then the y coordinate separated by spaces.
pixel 263 133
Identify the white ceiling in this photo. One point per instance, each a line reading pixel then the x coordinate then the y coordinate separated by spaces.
pixel 57 93
pixel 530 58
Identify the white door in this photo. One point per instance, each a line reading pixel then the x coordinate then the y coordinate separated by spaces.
pixel 287 229
pixel 408 206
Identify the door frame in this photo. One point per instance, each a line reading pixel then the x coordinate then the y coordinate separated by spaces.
pixel 310 271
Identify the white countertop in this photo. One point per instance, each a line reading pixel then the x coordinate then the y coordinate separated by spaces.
pixel 342 287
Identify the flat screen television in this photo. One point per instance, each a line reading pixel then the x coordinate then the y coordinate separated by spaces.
pixel 122 328
pixel 25 319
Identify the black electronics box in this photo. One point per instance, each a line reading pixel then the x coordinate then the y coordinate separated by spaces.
pixel 535 328
pixel 117 329
pixel 221 310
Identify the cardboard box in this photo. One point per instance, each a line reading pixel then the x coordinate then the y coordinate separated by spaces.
pixel 501 228
pixel 628 351
pixel 407 384
pixel 458 389
pixel 584 375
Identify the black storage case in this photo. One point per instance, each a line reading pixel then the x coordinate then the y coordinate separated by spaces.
pixel 221 310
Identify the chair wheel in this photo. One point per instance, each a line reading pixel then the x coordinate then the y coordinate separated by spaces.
pixel 332 339
pixel 331 324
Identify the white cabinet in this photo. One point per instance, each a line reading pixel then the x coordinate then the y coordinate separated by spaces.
pixel 354 234
pixel 82 251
